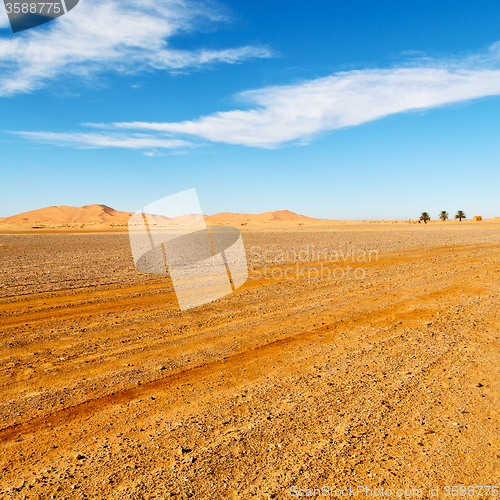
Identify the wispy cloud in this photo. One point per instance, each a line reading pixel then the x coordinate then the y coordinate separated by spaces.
pixel 153 154
pixel 103 35
pixel 298 113
pixel 104 140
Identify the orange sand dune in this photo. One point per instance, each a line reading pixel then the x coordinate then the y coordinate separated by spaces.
pixel 102 214
pixel 279 215
pixel 67 215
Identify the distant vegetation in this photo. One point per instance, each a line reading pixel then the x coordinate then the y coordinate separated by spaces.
pixel 443 215
pixel 425 217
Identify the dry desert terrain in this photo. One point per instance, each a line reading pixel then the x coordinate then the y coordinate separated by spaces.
pixel 385 374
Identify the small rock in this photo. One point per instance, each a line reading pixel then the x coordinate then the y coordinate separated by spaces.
pixel 479 385
pixel 181 450
pixel 81 457
pixel 162 367
pixel 15 489
pixel 399 323
pixel 189 460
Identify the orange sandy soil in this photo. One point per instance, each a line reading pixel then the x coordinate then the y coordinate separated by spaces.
pixel 392 380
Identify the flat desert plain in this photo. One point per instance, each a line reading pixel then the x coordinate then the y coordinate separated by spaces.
pixel 384 373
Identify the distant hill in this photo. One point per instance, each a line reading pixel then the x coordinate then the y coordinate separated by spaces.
pixel 95 214
pixel 67 215
pixel 277 216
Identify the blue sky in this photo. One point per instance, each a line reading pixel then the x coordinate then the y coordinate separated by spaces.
pixel 345 110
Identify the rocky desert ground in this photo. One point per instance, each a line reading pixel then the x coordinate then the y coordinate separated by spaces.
pixel 385 374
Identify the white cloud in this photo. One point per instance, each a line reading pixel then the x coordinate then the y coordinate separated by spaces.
pixel 152 154
pixel 119 35
pixel 299 112
pixel 104 140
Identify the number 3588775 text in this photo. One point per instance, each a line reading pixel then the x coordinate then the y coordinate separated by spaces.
pixel 34 8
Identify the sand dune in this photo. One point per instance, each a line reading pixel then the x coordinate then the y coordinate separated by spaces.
pixel 87 214
pixel 277 216
pixel 102 214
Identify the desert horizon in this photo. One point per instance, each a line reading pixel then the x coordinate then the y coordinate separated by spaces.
pixel 100 215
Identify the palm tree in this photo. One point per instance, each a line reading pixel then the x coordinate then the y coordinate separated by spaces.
pixel 443 215
pixel 425 217
pixel 460 215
